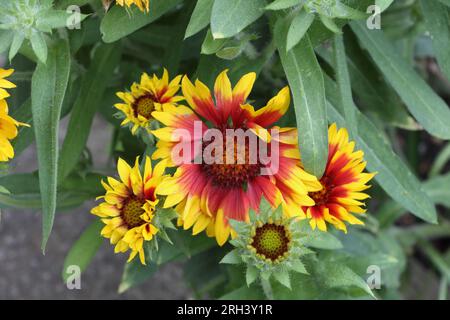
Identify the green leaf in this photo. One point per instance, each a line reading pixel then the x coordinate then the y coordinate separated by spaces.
pixel 135 273
pixel 119 23
pixel 48 88
pixel 426 106
pixel 53 19
pixel 211 45
pixel 85 248
pixel 438 189
pixel 244 293
pixel 283 4
pixel 446 2
pixel 345 90
pixel 306 81
pixel 39 46
pixel 375 95
pixel 65 3
pixel 299 267
pixel 322 240
pixel 200 17
pixel 392 174
pixel 6 38
pixel 441 161
pixel 298 28
pixel 251 274
pixel 16 44
pixel 283 278
pixel 330 24
pixel 334 274
pixel 437 22
pixel 229 53
pixel 230 17
pixel 383 4
pixel 25 191
pixel 232 257
pixel 96 79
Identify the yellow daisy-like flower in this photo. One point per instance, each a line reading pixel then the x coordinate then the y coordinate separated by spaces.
pixel 8 125
pixel 129 207
pixel 5 84
pixel 342 182
pixel 143 5
pixel 151 94
pixel 207 196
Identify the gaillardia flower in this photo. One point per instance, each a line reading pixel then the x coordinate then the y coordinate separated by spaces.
pixel 270 244
pixel 143 5
pixel 208 194
pixel 151 94
pixel 129 207
pixel 343 183
pixel 8 126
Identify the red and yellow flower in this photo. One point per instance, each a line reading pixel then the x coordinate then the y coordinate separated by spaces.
pixel 343 184
pixel 151 94
pixel 208 195
pixel 129 207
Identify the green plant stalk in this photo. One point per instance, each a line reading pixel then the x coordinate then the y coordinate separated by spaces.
pixel 435 258
pixel 267 288
pixel 443 288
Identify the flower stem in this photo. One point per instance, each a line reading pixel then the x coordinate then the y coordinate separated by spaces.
pixel 267 288
pixel 436 259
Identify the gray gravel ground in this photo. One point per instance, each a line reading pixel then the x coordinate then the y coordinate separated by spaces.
pixel 27 274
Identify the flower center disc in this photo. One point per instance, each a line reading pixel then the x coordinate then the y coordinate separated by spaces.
pixel 132 211
pixel 271 241
pixel 144 106
pixel 321 197
pixel 236 173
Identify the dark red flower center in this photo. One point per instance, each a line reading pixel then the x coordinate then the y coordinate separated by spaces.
pixel 271 241
pixel 132 211
pixel 321 197
pixel 237 168
pixel 144 106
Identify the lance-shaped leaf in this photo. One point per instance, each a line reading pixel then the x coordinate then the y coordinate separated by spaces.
pixel 437 21
pixel 426 106
pixel 48 89
pixel 306 82
pixel 230 17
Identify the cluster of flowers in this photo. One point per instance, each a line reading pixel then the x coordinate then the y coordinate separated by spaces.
pixel 225 199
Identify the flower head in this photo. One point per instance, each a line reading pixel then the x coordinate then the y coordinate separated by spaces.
pixel 129 209
pixel 342 185
pixel 143 5
pixel 151 94
pixel 8 125
pixel 207 194
pixel 270 245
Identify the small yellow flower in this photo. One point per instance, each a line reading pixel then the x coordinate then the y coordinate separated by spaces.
pixel 151 94
pixel 129 207
pixel 8 126
pixel 143 5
